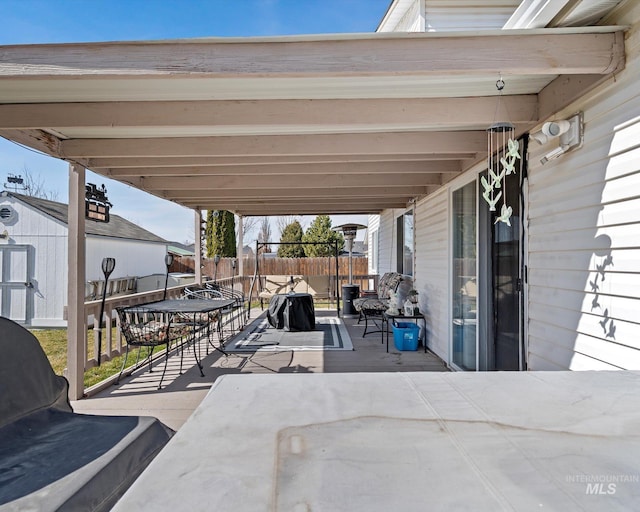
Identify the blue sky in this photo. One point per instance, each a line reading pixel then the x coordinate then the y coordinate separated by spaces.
pixel 60 21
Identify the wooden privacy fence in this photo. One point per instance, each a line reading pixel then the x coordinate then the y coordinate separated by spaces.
pixel 275 266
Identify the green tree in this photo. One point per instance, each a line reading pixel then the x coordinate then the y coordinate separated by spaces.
pixel 320 231
pixel 291 233
pixel 220 234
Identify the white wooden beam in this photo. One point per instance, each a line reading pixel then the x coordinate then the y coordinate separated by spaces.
pixel 314 209
pixel 365 191
pixel 239 250
pixel 278 182
pixel 326 144
pixel 597 50
pixel 227 161
pixel 76 328
pixel 291 201
pixel 292 169
pixel 339 113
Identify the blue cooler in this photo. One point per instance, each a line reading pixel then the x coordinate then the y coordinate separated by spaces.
pixel 405 335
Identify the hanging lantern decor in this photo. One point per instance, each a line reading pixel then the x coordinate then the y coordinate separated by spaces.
pixel 499 139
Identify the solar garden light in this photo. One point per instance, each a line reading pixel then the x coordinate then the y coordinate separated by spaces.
pixel 108 264
pixel 168 260
pixel 233 273
pixel 216 260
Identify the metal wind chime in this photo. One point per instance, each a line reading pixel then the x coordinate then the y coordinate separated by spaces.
pixel 499 136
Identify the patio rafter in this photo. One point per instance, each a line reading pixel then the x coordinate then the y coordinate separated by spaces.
pixel 259 195
pixel 269 116
pixel 411 167
pixel 308 144
pixel 157 163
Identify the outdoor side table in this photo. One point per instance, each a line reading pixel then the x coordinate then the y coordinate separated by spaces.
pixel 386 317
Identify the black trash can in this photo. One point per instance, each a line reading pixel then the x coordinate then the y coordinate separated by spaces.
pixel 349 292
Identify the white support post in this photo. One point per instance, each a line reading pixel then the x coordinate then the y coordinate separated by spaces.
pixel 198 246
pixel 76 331
pixel 239 253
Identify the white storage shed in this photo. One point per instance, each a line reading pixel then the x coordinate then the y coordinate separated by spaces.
pixel 33 257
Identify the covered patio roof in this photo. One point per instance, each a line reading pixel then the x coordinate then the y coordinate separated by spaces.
pixel 304 124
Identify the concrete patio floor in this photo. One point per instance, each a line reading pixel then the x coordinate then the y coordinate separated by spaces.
pixel 181 394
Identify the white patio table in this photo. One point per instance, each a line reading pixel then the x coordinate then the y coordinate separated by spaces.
pixel 403 441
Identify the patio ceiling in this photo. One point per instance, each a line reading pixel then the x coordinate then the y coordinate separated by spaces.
pixel 306 124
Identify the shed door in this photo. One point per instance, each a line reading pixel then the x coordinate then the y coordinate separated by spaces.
pixel 14 282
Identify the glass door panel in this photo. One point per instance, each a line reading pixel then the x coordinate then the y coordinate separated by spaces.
pixel 465 286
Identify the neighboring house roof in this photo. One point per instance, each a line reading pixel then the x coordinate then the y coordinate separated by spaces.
pixel 359 249
pixel 117 227
pixel 179 250
pixel 360 246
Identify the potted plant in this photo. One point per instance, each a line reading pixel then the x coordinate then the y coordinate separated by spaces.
pixel 413 296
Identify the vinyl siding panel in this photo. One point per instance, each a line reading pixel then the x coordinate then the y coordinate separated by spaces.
pixel 133 258
pixel 584 233
pixel 373 226
pixel 441 17
pixel 448 15
pixel 432 273
pixel 386 242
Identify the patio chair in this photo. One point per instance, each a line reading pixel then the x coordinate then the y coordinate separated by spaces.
pixel 371 306
pixel 237 310
pixel 52 458
pixel 151 329
pixel 205 320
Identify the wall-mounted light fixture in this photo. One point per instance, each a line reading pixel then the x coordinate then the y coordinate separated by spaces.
pixel 568 131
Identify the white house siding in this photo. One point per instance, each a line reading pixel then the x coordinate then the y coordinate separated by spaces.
pixel 410 22
pixel 448 15
pixel 47 241
pixel 373 226
pixel 133 257
pixel 386 242
pixel 583 208
pixel 432 269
